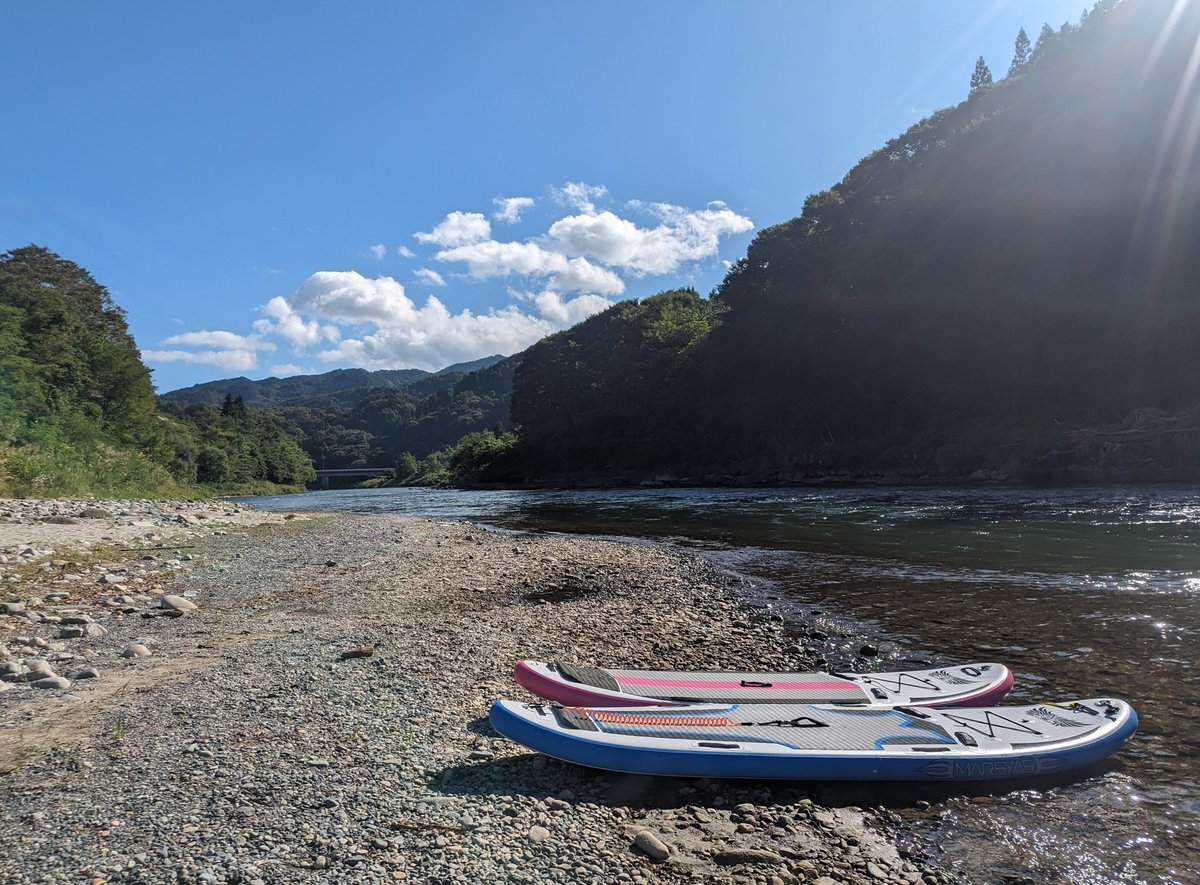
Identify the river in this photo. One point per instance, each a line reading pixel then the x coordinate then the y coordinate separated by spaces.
pixel 1082 593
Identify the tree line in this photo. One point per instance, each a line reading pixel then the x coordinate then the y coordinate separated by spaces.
pixel 78 413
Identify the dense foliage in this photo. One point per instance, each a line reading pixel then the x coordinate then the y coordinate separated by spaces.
pixel 1008 289
pixel 609 392
pixel 355 418
pixel 471 461
pixel 77 407
pixel 376 426
pixel 235 446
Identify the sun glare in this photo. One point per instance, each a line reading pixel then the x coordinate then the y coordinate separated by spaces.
pixel 1176 151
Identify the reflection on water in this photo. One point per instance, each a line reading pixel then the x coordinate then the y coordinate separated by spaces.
pixel 1081 592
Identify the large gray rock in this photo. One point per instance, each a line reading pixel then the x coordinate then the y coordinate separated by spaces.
pixel 135 650
pixel 82 631
pixel 12 608
pixel 651 846
pixel 735 856
pixel 177 604
pixel 38 669
pixel 58 682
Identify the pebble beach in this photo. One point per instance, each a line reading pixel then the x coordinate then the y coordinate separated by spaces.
pixel 208 693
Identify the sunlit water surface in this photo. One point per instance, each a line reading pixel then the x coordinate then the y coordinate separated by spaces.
pixel 1081 592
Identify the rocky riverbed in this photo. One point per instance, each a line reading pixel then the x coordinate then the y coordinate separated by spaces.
pixel 306 701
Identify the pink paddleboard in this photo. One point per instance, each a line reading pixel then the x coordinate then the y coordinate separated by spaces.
pixel 975 684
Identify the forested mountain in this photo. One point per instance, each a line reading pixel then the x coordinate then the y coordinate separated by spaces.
pixel 376 426
pixel 605 395
pixel 1010 289
pixel 269 391
pixel 77 407
pixel 366 418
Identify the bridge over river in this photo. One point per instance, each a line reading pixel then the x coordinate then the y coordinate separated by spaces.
pixel 324 476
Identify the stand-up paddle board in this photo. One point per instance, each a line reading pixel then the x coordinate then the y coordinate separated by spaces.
pixel 821 742
pixel 981 685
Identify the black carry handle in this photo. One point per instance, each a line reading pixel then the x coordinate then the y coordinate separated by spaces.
pixel 748 683
pixel 798 722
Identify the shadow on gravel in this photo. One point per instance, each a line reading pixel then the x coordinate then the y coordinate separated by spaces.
pixel 563 590
pixel 538 776
pixel 482 727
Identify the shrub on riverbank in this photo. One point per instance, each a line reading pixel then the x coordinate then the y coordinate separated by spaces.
pixel 465 463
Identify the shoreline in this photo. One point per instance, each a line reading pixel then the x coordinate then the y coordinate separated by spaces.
pixel 250 746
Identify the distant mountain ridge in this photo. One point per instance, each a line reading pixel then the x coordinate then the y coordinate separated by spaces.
pixel 272 391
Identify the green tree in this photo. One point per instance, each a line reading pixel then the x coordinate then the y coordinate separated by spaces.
pixel 1021 51
pixel 475 452
pixel 212 465
pixel 1045 38
pixel 981 78
pixel 234 407
pixel 79 340
pixel 21 393
pixel 407 466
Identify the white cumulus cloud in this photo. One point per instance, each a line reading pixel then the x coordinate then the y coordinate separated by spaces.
pixel 225 350
pixel 458 229
pixel 429 336
pixel 573 270
pixel 436 338
pixel 580 195
pixel 281 320
pixel 349 297
pixel 588 252
pixel 219 339
pixel 230 360
pixel 552 307
pixel 432 277
pixel 491 259
pixel 510 208
pixel 684 236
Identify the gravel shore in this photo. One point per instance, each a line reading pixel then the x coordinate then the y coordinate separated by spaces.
pixel 306 701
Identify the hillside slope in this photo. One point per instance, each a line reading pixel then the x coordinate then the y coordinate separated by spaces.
pixel 78 413
pixel 1008 290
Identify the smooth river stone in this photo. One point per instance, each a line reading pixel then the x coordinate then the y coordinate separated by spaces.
pixel 651 846
pixel 51 682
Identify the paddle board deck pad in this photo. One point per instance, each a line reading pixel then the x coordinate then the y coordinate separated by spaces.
pixel 981 685
pixel 824 742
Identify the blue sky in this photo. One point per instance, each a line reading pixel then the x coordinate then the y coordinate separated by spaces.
pixel 269 188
